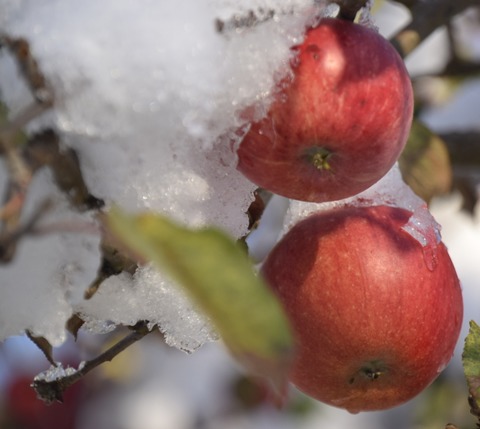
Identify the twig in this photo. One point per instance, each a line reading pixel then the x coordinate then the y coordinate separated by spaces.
pixel 113 263
pixel 52 390
pixel 349 8
pixel 10 237
pixel 41 149
pixel 463 146
pixel 474 408
pixel 20 173
pixel 427 16
pixel 44 149
pixel 43 344
pixel 28 66
pixel 248 20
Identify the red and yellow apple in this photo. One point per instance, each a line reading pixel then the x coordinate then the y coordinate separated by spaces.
pixel 339 124
pixel 375 322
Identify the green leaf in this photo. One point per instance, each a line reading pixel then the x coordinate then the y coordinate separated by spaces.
pixel 220 277
pixel 471 363
pixel 425 163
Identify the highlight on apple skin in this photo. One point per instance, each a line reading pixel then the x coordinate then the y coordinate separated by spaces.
pixel 339 124
pixel 375 322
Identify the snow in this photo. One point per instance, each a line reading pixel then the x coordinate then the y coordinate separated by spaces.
pixel 44 278
pixel 149 95
pixel 126 299
pixel 392 191
pixel 54 373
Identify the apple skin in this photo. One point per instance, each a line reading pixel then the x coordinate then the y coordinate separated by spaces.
pixel 25 410
pixel 374 325
pixel 339 125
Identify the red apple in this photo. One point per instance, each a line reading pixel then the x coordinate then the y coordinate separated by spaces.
pixel 27 411
pixel 339 125
pixel 374 324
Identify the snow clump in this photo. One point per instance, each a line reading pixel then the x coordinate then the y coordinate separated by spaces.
pixel 144 92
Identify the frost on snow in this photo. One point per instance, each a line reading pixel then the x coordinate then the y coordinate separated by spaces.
pixel 144 92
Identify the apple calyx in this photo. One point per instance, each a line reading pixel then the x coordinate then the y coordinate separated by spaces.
pixel 319 158
pixel 371 371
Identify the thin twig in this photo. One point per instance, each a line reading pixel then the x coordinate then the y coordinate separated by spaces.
pixel 10 237
pixel 52 390
pixel 20 173
pixel 349 8
pixel 20 49
pixel 427 16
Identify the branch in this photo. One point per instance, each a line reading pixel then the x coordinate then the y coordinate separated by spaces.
pixel 427 16
pixel 44 149
pixel 463 146
pixel 20 173
pixel 474 409
pixel 10 237
pixel 349 8
pixel 29 68
pixel 458 67
pixel 52 390
pixel 464 151
pixel 24 157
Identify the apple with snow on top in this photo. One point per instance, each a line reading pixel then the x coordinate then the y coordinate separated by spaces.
pixel 339 124
pixel 375 322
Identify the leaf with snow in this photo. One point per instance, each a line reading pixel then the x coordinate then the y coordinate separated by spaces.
pixel 219 276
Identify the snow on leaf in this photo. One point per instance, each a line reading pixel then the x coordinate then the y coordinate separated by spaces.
pixel 219 276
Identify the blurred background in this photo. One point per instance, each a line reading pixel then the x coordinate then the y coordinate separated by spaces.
pixel 153 386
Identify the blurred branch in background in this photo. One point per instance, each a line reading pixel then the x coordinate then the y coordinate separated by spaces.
pixel 463 146
pixel 427 16
pixel 464 150
pixel 349 8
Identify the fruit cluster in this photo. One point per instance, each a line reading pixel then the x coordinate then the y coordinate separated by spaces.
pixel 374 322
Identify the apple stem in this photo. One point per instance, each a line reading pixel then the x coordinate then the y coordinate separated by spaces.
pixel 349 8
